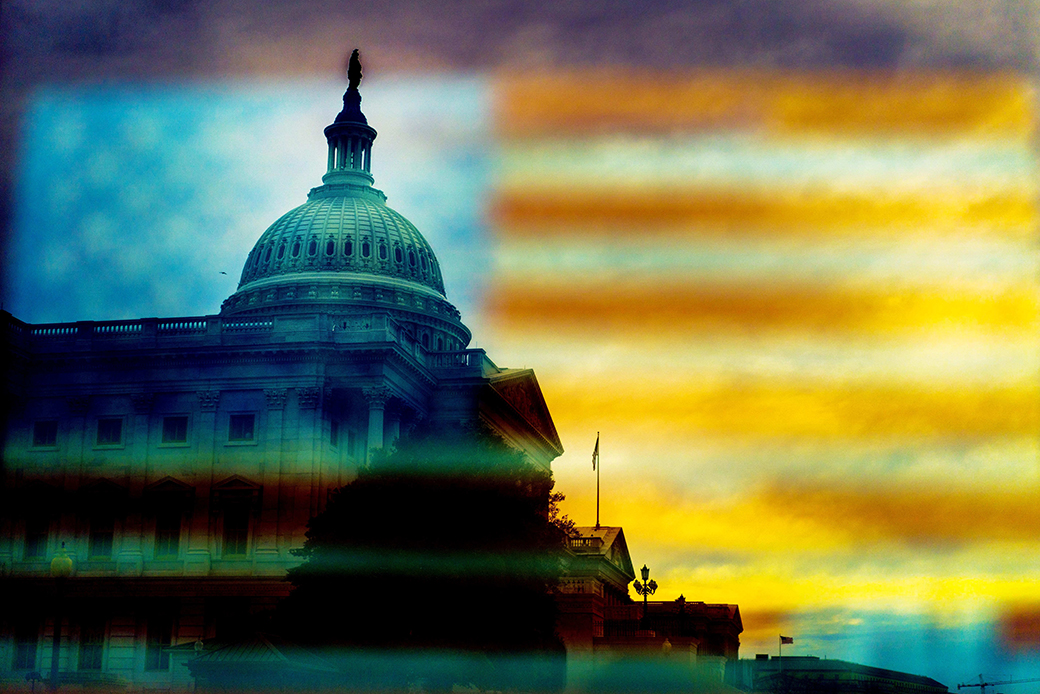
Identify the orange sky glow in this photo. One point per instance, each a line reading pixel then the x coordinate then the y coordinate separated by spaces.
pixel 817 385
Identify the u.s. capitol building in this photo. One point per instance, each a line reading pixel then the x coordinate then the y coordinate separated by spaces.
pixel 179 459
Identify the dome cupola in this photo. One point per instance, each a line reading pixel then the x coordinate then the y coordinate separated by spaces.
pixel 344 252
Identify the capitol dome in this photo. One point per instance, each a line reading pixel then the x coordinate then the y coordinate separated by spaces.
pixel 344 252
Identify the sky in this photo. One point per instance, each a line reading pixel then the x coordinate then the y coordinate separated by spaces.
pixel 787 271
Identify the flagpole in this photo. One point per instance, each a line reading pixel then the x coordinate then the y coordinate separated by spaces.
pixel 598 466
pixel 781 655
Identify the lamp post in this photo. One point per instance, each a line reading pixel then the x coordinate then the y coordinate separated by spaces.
pixel 647 587
pixel 61 568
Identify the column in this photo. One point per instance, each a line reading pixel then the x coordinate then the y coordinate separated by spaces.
pixel 376 398
pixel 393 425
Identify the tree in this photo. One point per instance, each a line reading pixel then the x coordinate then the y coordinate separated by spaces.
pixel 451 544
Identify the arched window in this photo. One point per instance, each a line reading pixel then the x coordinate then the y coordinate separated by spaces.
pixel 296 248
pixel 398 257
pixel 383 255
pixel 267 254
pixel 312 247
pixel 426 340
pixel 281 251
pixel 366 249
pixel 330 247
pixel 411 258
pixel 348 248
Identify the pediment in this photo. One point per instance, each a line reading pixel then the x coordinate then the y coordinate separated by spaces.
pixel 236 490
pixel 169 491
pixel 604 543
pixel 520 390
pixel 621 557
pixel 235 483
pixel 169 485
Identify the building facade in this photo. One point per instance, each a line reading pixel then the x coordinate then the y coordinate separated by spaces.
pixel 811 675
pixel 178 460
pixel 613 643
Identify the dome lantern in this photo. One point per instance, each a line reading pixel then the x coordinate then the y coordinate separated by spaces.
pixel 350 136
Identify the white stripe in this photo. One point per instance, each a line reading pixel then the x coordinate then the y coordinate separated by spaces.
pixel 854 165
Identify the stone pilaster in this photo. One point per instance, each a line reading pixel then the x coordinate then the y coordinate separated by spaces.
pixel 267 547
pixel 79 443
pixel 199 553
pixel 130 560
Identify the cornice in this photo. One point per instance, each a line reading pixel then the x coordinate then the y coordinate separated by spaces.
pixel 221 356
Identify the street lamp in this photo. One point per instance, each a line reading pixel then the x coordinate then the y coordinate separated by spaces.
pixel 647 587
pixel 61 568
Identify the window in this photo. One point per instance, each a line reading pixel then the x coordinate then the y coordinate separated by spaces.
pixel 167 533
pixel 240 427
pixel 366 249
pixel 45 433
pixel 102 531
pixel 109 432
pixel 383 255
pixel 160 636
pixel 36 531
pixel 330 247
pixel 295 248
pixel 312 247
pixel 25 638
pixel 175 430
pixel 281 251
pixel 334 433
pixel 348 248
pixel 236 530
pixel 91 644
pixel 398 257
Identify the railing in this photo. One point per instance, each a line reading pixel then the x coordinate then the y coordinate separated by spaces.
pixel 182 325
pixel 248 326
pixel 53 330
pixel 475 359
pixel 211 330
pixel 585 543
pixel 120 328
